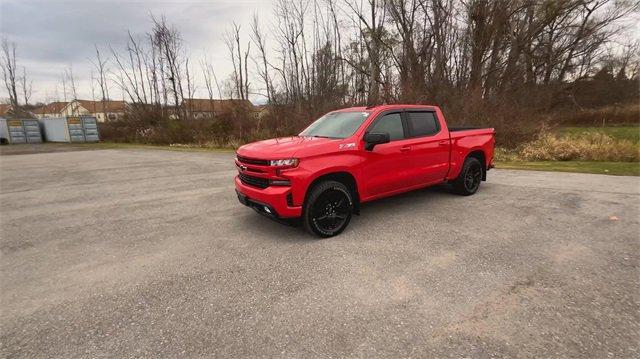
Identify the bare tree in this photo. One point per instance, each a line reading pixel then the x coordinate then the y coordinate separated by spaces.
pixel 127 76
pixel 290 30
pixel 136 59
pixel 9 70
pixel 26 86
pixel 100 65
pixel 263 64
pixel 210 79
pixel 92 85
pixel 404 17
pixel 68 74
pixel 63 78
pixel 171 54
pixel 370 19
pixel 239 61
pixel 191 86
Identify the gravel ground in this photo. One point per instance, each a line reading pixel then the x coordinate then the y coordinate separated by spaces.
pixel 147 253
pixel 32 148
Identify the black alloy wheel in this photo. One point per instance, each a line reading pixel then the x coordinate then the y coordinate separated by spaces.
pixel 328 209
pixel 470 177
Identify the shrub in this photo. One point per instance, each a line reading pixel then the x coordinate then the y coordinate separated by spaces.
pixel 517 123
pixel 602 116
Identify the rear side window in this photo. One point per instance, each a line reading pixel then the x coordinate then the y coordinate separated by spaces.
pixel 423 123
pixel 391 124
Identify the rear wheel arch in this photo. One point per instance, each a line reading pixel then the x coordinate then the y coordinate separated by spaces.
pixel 343 177
pixel 479 154
pixel 470 177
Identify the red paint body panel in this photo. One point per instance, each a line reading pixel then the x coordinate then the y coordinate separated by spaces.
pixel 390 168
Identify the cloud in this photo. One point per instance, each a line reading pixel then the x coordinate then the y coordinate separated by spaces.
pixel 52 35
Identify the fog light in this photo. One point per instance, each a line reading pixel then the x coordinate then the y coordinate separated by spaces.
pixel 280 182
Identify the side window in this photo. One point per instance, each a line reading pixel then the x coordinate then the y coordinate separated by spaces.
pixel 423 123
pixel 392 124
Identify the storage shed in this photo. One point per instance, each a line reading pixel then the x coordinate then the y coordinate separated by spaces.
pixel 20 130
pixel 70 129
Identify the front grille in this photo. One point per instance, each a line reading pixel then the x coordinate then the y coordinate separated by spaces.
pixel 253 161
pixel 254 181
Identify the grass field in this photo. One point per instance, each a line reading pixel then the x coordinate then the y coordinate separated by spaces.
pixel 605 168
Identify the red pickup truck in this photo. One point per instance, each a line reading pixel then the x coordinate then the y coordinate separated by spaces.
pixel 359 154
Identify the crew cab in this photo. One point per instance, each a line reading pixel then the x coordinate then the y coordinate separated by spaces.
pixel 359 154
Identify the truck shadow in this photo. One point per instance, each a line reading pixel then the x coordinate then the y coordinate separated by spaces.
pixel 407 199
pixel 293 230
pixel 278 230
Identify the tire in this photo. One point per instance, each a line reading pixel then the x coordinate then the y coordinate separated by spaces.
pixel 470 177
pixel 328 209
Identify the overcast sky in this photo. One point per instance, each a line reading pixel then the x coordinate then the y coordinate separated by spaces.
pixel 52 36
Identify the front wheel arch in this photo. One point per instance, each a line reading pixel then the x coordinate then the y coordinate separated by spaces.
pixel 328 210
pixel 343 177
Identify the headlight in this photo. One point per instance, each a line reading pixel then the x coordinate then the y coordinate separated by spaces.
pixel 288 162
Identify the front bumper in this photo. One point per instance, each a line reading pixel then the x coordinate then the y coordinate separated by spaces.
pixel 271 201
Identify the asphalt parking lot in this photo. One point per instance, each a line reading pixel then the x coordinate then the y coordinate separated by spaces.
pixel 147 253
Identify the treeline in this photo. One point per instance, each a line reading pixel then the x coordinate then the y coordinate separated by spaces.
pixel 505 63
pixel 433 50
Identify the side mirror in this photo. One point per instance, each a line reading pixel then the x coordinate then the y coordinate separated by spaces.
pixel 373 139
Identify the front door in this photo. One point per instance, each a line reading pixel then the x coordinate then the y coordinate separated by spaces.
pixel 388 166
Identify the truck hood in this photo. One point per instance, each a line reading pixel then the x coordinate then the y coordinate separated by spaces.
pixel 283 147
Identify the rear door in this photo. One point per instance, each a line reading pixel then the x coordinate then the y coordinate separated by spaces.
pixel 76 131
pixel 90 126
pixel 388 166
pixel 430 146
pixel 32 131
pixel 16 131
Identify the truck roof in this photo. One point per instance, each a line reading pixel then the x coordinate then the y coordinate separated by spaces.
pixel 384 107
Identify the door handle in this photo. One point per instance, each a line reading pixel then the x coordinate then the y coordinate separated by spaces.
pixel 405 148
pixel 443 143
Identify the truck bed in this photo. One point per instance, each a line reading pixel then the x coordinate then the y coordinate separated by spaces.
pixel 464 128
pixel 458 132
pixel 468 139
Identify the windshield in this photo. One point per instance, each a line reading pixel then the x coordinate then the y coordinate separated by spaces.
pixel 336 124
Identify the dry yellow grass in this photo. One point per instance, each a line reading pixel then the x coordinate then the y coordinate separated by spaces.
pixel 588 146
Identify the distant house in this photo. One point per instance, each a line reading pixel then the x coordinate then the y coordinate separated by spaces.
pixel 9 111
pixel 5 109
pixel 53 109
pixel 261 111
pixel 206 108
pixel 102 110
